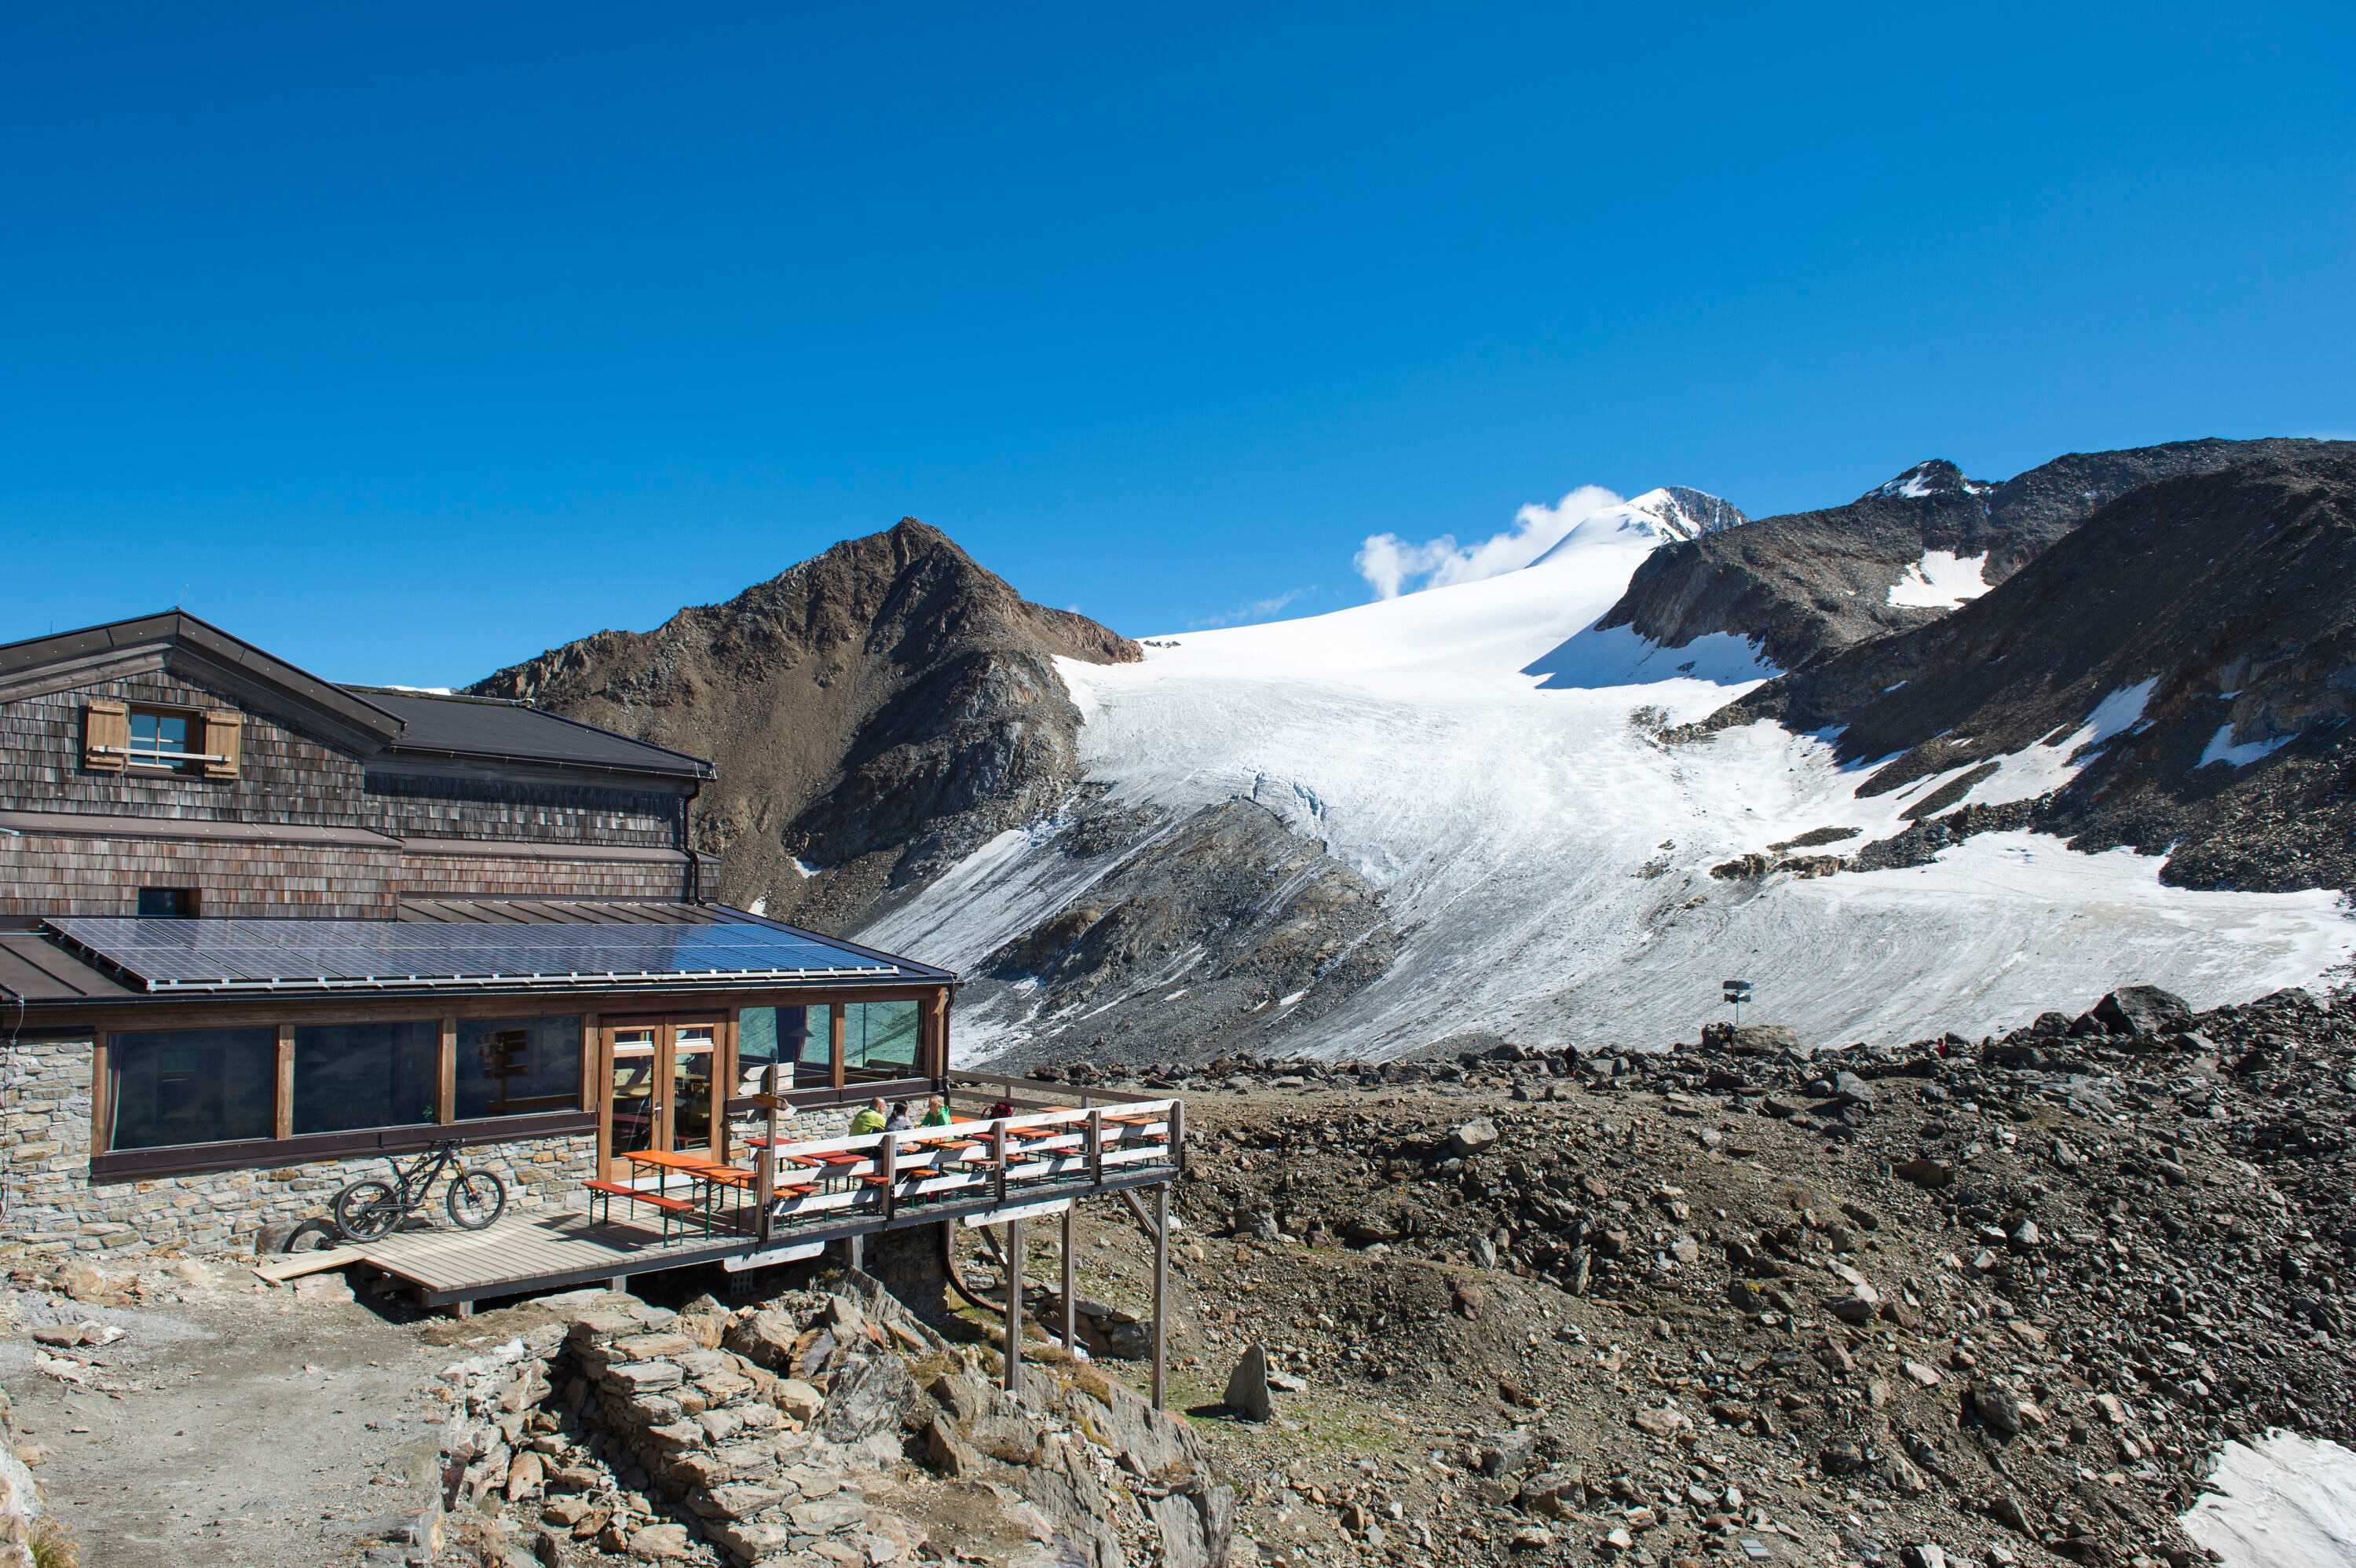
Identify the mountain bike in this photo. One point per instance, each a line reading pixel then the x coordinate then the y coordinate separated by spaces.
pixel 372 1208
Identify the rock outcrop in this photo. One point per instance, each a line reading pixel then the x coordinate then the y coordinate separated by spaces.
pixel 2189 651
pixel 1805 583
pixel 874 712
pixel 818 1428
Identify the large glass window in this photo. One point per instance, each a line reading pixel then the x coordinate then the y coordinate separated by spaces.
pixel 513 1067
pixel 818 1046
pixel 880 1035
pixel 767 1035
pixel 365 1075
pixel 192 1086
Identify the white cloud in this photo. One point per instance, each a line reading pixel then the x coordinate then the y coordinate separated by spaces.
pixel 1390 564
pixel 1256 610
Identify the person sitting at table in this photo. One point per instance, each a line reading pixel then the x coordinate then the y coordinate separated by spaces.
pixel 869 1120
pixel 899 1121
pixel 937 1113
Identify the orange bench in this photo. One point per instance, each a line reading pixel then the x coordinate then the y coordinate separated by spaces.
pixel 670 1209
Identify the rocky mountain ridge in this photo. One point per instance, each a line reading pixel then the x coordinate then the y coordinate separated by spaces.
pixel 2175 675
pixel 874 712
pixel 1805 583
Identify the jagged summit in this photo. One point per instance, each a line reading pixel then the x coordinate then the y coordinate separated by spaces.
pixel 870 709
pixel 1665 516
pixel 1937 476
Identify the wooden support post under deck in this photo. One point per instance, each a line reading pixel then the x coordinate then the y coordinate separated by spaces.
pixel 1161 1291
pixel 1071 1305
pixel 1014 1307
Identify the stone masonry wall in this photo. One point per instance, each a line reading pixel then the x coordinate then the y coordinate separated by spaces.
pixel 52 1207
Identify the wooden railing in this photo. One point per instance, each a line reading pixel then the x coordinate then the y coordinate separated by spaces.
pixel 880 1172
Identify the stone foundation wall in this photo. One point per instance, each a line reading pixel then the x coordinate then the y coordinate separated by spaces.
pixel 52 1207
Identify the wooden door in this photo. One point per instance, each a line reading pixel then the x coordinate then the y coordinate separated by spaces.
pixel 660 1090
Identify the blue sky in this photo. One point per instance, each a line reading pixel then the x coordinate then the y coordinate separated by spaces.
pixel 408 341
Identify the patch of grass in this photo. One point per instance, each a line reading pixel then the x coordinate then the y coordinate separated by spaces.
pixel 53 1546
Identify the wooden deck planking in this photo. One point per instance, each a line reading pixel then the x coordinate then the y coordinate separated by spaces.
pixel 522 1251
pixel 541 1251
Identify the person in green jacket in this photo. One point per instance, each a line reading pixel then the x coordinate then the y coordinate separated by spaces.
pixel 869 1120
pixel 937 1113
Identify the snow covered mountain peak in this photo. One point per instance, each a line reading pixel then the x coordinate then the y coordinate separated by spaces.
pixel 1666 515
pixel 1935 477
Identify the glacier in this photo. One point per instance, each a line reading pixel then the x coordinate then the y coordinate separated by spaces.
pixel 1497 768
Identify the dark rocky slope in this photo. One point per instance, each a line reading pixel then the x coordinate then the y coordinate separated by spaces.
pixel 2233 594
pixel 874 713
pixel 1221 929
pixel 1808 581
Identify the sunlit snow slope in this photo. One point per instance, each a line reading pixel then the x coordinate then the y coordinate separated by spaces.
pixel 1477 754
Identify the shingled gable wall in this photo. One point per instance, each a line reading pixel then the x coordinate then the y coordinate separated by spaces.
pixel 305 829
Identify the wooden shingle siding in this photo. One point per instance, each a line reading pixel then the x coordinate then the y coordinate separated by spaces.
pixel 282 777
pixel 77 854
pixel 503 877
pixel 46 874
pixel 409 805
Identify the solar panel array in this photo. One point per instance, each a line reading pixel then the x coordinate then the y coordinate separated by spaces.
pixel 310 955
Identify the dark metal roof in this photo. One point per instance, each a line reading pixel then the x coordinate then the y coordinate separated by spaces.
pixel 495 730
pixel 214 958
pixel 35 969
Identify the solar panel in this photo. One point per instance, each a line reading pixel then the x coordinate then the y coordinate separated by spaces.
pixel 364 954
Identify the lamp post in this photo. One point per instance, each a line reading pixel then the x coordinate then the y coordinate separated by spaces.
pixel 1737 993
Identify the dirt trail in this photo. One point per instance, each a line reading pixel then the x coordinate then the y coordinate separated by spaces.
pixel 230 1426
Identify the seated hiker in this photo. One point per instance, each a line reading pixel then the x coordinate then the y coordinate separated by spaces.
pixel 899 1121
pixel 869 1119
pixel 937 1113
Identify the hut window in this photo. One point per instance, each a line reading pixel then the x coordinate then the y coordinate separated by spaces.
pixel 515 1067
pixel 881 1037
pixel 192 1086
pixel 348 1076
pixel 768 1035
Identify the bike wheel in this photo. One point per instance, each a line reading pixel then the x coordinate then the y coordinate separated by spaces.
pixel 366 1209
pixel 476 1200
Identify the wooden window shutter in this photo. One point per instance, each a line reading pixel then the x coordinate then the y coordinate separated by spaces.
pixel 105 735
pixel 222 733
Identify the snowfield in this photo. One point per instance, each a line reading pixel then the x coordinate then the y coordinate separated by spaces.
pixel 1483 756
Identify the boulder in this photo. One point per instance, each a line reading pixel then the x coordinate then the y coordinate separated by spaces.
pixel 948 1452
pixel 1472 1137
pixel 1246 1393
pixel 2142 1010
pixel 1924 1173
pixel 869 1396
pixel 1555 1493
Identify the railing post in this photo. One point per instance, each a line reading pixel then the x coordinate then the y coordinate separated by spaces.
pixel 998 1157
pixel 1095 1147
pixel 891 1164
pixel 1178 1134
pixel 767 1165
